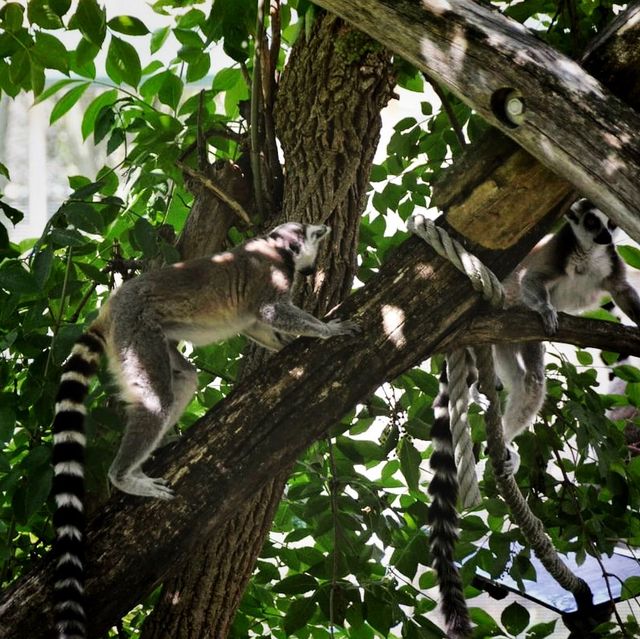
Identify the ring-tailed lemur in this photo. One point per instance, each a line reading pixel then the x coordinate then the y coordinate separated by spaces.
pixel 245 290
pixel 568 271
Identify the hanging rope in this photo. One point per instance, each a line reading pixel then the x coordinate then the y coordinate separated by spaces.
pixel 458 371
pixel 483 280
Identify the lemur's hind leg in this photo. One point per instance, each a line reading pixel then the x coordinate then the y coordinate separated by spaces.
pixel 184 378
pixel 521 369
pixel 142 362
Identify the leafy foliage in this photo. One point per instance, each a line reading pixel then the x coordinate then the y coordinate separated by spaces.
pixel 348 555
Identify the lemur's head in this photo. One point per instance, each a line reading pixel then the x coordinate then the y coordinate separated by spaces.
pixel 589 224
pixel 302 241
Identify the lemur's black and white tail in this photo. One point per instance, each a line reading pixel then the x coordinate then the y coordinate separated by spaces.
pixel 443 517
pixel 68 484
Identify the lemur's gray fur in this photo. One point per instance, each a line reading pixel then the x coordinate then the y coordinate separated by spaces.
pixel 245 290
pixel 569 271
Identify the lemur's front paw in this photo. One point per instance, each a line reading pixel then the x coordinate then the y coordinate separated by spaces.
pixel 511 462
pixel 343 327
pixel 549 317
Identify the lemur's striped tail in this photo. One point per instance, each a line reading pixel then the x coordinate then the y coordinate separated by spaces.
pixel 68 484
pixel 443 517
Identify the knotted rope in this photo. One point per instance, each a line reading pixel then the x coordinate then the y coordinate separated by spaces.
pixel 484 281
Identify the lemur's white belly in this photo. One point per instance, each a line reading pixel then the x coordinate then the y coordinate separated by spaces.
pixel 204 334
pixel 580 289
pixel 575 295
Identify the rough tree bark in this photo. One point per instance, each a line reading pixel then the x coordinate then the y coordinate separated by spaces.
pixel 571 123
pixel 224 458
pixel 328 118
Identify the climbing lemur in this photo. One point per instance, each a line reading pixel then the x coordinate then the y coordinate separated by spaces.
pixel 568 271
pixel 246 291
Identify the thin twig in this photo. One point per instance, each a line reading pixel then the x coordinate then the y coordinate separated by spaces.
pixel 446 105
pixel 215 131
pixel 85 298
pixel 63 296
pixel 203 161
pixel 256 100
pixel 333 487
pixel 234 205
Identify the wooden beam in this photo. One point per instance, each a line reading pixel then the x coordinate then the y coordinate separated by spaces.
pixel 571 123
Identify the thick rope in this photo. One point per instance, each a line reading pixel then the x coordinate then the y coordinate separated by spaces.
pixel 532 528
pixel 458 371
pixel 484 281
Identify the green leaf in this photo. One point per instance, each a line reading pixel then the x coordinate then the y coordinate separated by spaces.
pixel 7 419
pixel 225 79
pixel 515 618
pixel 41 267
pixel 86 190
pixel 128 25
pixel 199 68
pixel 91 20
pixel 410 460
pixel 170 90
pixel 298 615
pixel 116 139
pixel 51 52
pixel 630 254
pixel 584 357
pixel 91 112
pixel 158 38
pixel 633 393
pixel 4 171
pixel 13 214
pixel 41 12
pixel 38 489
pixel 145 237
pixel 84 217
pixel 296 584
pixel 11 15
pixel 85 53
pixel 627 373
pixel 67 101
pixel 20 68
pixel 36 76
pixel 54 88
pixel 60 7
pixel 67 237
pixel 123 63
pixel 631 587
pixel 14 278
pixel 104 121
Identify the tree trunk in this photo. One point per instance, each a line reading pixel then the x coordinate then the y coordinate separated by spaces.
pixel 406 311
pixel 328 117
pixel 570 122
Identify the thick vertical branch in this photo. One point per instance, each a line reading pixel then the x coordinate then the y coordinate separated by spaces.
pixel 200 599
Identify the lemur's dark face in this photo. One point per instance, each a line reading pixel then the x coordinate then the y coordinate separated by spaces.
pixel 590 225
pixel 303 242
